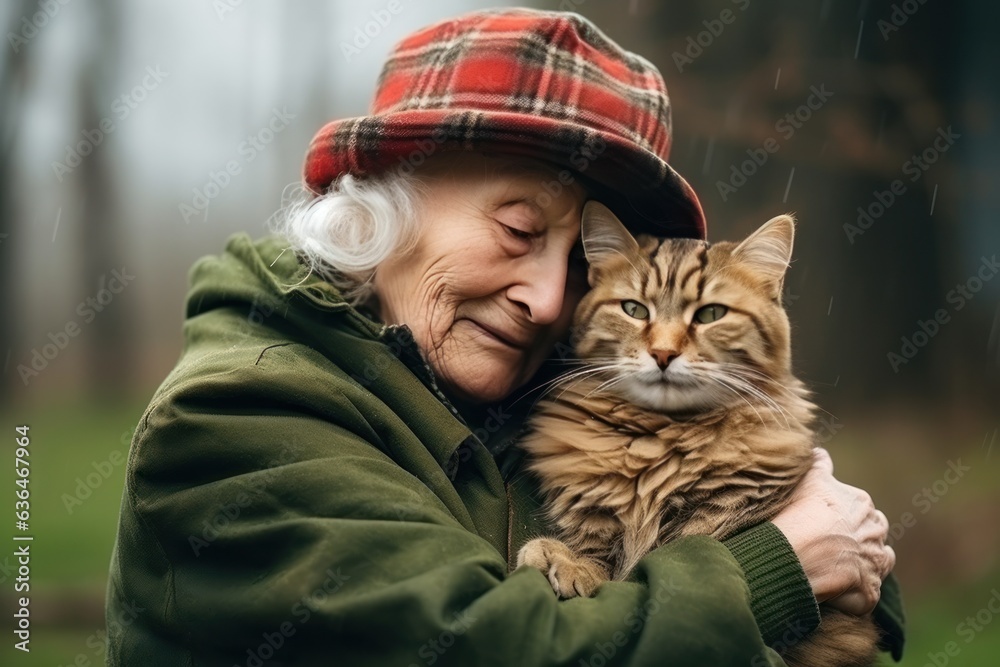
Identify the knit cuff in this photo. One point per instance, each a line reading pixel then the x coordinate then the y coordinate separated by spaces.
pixel 780 595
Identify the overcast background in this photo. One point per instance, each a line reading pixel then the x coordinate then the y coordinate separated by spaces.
pixel 183 85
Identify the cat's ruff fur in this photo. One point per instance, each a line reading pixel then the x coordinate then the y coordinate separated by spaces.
pixel 620 478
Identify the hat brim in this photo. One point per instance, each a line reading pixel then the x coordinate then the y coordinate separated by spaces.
pixel 644 191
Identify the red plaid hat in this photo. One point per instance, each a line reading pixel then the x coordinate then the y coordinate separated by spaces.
pixel 548 85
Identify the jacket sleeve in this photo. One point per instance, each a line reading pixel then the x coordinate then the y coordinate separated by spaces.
pixel 254 532
pixel 891 619
pixel 781 597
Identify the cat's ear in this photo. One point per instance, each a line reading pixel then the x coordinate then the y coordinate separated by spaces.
pixel 603 235
pixel 768 252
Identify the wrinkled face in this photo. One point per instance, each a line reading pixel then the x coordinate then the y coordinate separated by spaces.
pixel 491 285
pixel 679 326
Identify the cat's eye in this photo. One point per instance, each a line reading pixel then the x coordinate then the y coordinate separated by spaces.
pixel 635 309
pixel 710 313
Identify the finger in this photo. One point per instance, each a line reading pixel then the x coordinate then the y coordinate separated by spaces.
pixel 883 523
pixel 874 595
pixel 890 561
pixel 854 602
pixel 822 460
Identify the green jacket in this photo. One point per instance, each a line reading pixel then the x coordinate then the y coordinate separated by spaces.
pixel 299 492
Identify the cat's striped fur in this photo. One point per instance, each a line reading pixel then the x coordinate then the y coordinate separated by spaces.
pixel 673 426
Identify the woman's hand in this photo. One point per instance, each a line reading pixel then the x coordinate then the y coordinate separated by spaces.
pixel 839 537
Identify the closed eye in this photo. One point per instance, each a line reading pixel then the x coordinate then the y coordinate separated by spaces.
pixel 519 234
pixel 520 219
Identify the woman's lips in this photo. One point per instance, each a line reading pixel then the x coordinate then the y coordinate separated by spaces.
pixel 498 335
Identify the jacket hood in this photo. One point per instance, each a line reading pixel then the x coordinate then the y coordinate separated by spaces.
pixel 267 283
pixel 267 270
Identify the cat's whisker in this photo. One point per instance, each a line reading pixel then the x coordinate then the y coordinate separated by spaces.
pixel 584 373
pixel 615 470
pixel 741 391
pixel 757 377
pixel 586 370
pixel 566 382
pixel 723 383
pixel 585 362
pixel 751 390
pixel 741 368
pixel 754 376
pixel 751 373
pixel 800 394
pixel 604 386
pixel 755 392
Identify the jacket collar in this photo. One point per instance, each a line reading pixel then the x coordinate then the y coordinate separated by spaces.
pixel 495 426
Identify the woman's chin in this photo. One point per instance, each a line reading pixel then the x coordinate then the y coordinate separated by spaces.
pixel 481 389
pixel 480 384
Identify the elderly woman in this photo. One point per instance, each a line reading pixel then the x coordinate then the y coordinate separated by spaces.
pixel 327 476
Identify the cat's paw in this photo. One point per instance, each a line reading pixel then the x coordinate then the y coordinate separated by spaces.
pixel 570 575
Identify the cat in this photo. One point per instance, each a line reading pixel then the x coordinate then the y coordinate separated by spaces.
pixel 684 417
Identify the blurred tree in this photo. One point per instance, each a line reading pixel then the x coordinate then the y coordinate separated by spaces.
pixel 111 347
pixel 734 69
pixel 13 73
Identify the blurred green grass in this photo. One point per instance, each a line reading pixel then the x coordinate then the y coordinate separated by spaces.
pixel 71 551
pixel 933 620
pixel 74 507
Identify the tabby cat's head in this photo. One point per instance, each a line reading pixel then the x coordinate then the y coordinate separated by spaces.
pixel 678 325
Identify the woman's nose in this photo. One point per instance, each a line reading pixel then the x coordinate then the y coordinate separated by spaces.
pixel 541 290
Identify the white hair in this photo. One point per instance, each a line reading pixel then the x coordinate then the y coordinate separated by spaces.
pixel 345 233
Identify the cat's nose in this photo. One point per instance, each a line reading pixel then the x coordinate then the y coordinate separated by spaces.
pixel 664 357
